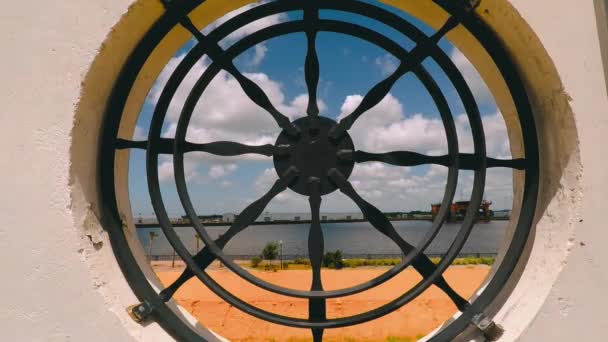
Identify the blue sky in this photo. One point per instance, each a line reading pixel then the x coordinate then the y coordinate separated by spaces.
pixel 407 119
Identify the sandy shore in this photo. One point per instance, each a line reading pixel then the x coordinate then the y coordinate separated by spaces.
pixel 415 319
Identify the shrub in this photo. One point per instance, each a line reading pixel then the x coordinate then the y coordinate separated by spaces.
pixel 395 261
pixel 270 267
pixel 488 261
pixel 255 261
pixel 270 251
pixel 302 261
pixel 333 260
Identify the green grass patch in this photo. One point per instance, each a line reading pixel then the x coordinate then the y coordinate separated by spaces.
pixel 304 264
pixel 354 263
pixel 471 261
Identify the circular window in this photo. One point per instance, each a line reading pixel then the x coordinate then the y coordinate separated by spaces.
pixel 314 156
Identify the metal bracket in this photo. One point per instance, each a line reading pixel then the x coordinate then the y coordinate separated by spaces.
pixel 491 331
pixel 140 312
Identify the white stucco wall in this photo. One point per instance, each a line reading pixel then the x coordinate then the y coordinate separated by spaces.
pixel 577 307
pixel 61 281
pixel 49 294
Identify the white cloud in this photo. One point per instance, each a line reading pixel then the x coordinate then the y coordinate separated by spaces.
pixel 219 171
pixel 471 75
pixel 386 128
pixel 225 113
pixel 166 174
pixel 266 180
pixel 140 134
pixel 165 171
pixel 387 64
pixel 259 53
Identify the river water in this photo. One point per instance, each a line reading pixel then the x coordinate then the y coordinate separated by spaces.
pixel 355 239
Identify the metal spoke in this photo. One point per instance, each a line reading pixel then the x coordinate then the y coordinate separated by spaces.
pixel 220 148
pixel 311 66
pixel 408 62
pixel 378 220
pixel 470 161
pixel 467 161
pixel 251 89
pixel 316 306
pixel 207 255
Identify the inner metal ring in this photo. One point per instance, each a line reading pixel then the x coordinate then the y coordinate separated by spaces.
pixel 267 33
pixel 314 153
pixel 193 98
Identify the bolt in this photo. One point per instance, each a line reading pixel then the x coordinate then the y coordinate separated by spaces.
pixel 290 174
pixel 293 131
pixel 313 129
pixel 335 133
pixel 491 331
pixel 337 178
pixel 346 154
pixel 140 312
pixel 283 150
pixel 312 180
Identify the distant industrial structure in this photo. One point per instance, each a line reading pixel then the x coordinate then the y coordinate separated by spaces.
pixel 458 211
pixel 265 218
pixel 268 217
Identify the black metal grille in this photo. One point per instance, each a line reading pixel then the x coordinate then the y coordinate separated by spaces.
pixel 334 158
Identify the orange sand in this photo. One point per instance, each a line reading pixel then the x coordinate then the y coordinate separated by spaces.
pixel 418 318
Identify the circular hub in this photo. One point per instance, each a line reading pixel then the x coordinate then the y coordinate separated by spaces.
pixel 314 154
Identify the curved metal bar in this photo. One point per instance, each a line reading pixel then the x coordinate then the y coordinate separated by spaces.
pixel 408 62
pixel 358 31
pixel 159 208
pixel 188 109
pixel 251 89
pixel 110 215
pixel 378 220
pixel 157 202
pixel 492 44
pixel 207 255
pixel 463 90
pixel 301 323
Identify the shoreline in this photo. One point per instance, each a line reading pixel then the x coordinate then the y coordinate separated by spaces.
pixel 291 258
pixel 177 224
pixel 180 266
